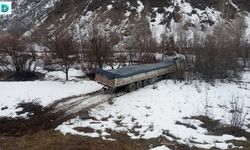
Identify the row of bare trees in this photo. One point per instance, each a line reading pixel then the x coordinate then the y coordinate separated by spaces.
pixel 95 50
pixel 19 58
pixel 222 53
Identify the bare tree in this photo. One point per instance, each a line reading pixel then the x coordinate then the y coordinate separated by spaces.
pixel 238 115
pixel 238 30
pixel 182 37
pixel 17 55
pixel 142 42
pixel 216 59
pixel 98 47
pixel 167 44
pixel 217 56
pixel 63 51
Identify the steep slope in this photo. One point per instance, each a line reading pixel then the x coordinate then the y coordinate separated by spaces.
pixel 42 17
pixel 27 13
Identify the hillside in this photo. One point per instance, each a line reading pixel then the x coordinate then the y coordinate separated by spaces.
pixel 46 16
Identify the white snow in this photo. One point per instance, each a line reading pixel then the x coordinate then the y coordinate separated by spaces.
pixel 157 28
pixel 246 77
pixel 51 3
pixel 248 27
pixel 63 18
pixel 157 109
pixel 186 8
pixel 109 7
pixel 140 7
pixel 72 131
pixel 127 14
pixel 186 17
pixel 59 75
pixel 232 4
pixel 160 148
pixel 45 92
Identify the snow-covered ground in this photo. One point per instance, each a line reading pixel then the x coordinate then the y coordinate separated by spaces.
pixel 59 75
pixel 160 148
pixel 150 111
pixel 44 92
pixel 156 108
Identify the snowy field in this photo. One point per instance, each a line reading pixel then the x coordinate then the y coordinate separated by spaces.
pixel 153 110
pixel 147 113
pixel 60 76
pixel 161 148
pixel 45 92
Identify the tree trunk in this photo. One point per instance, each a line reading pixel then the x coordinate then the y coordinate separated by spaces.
pixel 67 74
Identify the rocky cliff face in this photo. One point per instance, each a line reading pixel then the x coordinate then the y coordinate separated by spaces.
pixel 45 16
pixel 27 13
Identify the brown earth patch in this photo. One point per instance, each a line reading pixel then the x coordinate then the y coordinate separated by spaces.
pixel 84 129
pixel 39 118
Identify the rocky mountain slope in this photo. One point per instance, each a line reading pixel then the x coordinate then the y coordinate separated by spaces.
pixel 41 17
pixel 27 13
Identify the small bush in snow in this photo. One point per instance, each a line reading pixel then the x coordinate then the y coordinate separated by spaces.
pixel 238 115
pixel 17 56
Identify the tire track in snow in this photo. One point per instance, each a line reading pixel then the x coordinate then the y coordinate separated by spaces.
pixel 72 106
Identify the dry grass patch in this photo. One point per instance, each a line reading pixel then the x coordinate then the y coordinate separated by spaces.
pixel 52 140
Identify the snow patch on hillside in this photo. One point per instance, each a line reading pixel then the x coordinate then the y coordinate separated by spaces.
pixel 191 19
pixel 156 27
pixel 140 7
pixel 160 148
pixel 109 7
pixel 248 27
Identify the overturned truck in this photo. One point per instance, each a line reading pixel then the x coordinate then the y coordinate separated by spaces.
pixel 134 77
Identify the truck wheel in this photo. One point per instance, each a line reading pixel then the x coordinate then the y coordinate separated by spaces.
pixel 131 87
pixel 145 82
pixel 167 76
pixel 111 90
pixel 150 81
pixel 139 85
